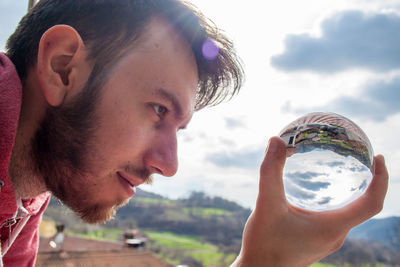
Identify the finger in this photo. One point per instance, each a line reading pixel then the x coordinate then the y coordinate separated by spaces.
pixel 371 202
pixel 271 185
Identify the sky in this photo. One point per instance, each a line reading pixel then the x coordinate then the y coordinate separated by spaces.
pixel 339 56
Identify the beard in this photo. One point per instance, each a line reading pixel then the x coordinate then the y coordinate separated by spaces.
pixel 62 153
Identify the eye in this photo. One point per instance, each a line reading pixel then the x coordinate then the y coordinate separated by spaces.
pixel 160 110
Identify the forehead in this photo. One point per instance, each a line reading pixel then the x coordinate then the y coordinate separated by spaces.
pixel 160 59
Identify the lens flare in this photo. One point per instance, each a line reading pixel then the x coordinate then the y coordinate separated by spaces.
pixel 209 49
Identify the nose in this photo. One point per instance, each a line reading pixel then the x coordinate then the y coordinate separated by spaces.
pixel 162 158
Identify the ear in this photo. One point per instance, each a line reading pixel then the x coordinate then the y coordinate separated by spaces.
pixel 61 54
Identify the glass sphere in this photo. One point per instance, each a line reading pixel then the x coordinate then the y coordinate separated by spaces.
pixel 329 161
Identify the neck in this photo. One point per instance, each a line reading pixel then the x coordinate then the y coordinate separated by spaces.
pixel 26 180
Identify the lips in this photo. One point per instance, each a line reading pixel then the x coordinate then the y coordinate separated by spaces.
pixel 129 182
pixel 133 181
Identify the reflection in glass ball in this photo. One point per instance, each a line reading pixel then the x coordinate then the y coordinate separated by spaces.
pixel 329 161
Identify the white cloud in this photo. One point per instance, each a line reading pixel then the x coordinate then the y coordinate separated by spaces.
pixel 350 39
pixel 247 159
pixel 378 100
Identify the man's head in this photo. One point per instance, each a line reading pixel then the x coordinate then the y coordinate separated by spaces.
pixel 109 28
pixel 117 80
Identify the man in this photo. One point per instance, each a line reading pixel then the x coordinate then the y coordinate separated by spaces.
pixel 91 110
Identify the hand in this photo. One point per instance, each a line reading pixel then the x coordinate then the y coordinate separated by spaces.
pixel 279 234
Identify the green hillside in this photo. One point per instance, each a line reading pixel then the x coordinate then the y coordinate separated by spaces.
pixel 206 231
pixel 215 219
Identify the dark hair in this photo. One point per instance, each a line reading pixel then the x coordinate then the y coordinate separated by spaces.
pixel 109 27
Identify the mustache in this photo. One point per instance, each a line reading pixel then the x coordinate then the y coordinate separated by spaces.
pixel 142 173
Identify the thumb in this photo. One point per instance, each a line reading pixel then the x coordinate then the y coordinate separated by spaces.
pixel 271 184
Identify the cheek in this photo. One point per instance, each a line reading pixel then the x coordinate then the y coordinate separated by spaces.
pixel 121 142
pixel 123 129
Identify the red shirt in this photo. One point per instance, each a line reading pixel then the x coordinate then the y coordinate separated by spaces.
pixel 19 248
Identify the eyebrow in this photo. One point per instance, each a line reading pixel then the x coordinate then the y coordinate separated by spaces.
pixel 173 100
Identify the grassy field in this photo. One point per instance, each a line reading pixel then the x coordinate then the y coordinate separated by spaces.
pixel 323 265
pixel 101 234
pixel 174 248
pixel 174 241
pixel 153 201
pixel 206 212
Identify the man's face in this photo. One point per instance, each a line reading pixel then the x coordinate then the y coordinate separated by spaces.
pixel 131 131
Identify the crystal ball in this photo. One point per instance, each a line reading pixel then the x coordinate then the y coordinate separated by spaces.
pixel 329 161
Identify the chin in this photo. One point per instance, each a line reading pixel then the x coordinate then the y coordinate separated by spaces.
pixel 98 213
